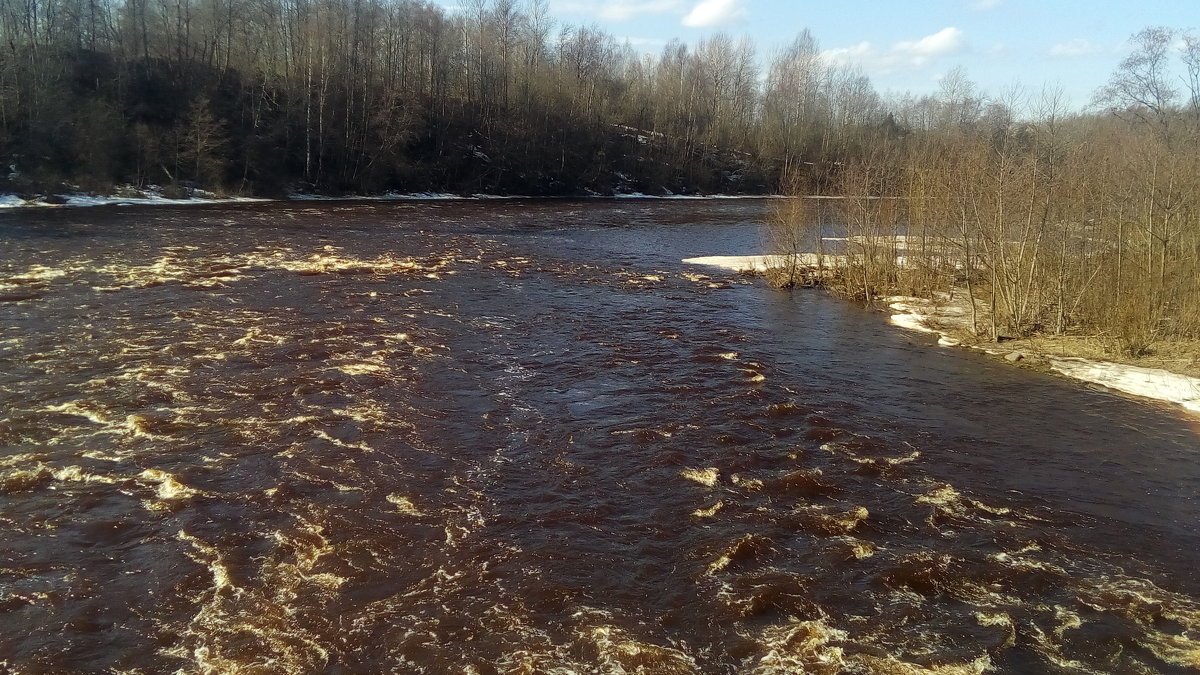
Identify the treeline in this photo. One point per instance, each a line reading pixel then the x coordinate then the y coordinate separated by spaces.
pixel 1053 222
pixel 267 96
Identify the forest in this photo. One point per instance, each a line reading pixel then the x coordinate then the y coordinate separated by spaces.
pixel 267 97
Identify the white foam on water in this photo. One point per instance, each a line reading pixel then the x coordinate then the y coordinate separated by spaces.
pixel 830 519
pixel 25 480
pixel 849 453
pixel 369 411
pixel 859 548
pixel 168 489
pixel 468 519
pixel 23 458
pixel 260 624
pixel 817 647
pixel 79 475
pixel 363 368
pixel 36 275
pixel 629 432
pixel 210 557
pixel 707 477
pixel 949 500
pixel 1139 601
pixel 33 474
pixel 78 409
pixel 620 653
pixel 799 647
pixel 710 511
pixel 404 505
pixel 184 265
pixel 340 443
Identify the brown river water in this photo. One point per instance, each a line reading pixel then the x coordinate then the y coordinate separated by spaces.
pixel 522 437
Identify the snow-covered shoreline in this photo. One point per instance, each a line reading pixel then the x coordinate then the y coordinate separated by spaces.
pixel 450 196
pixel 742 264
pixel 78 200
pixel 950 315
pixel 759 264
pixel 1145 382
pixel 150 198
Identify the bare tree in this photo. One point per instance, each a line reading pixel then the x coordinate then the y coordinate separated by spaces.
pixel 1140 87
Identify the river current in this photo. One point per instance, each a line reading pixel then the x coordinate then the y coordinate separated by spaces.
pixel 522 437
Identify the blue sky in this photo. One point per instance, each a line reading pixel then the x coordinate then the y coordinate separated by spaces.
pixel 908 45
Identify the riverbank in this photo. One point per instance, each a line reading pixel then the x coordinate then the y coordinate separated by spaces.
pixel 1171 374
pixel 143 197
pixel 124 197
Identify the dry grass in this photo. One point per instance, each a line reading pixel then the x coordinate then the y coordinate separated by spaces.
pixel 1175 356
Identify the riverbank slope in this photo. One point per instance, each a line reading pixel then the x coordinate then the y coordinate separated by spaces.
pixel 1171 373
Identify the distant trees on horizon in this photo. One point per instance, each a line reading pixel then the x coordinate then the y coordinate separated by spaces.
pixel 366 95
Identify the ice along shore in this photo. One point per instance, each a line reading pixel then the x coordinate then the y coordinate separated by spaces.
pixel 949 317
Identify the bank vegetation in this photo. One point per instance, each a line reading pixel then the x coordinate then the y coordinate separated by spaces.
pixel 1052 222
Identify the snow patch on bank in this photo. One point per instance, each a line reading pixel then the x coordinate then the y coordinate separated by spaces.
pixel 151 196
pixel 759 264
pixel 910 315
pixel 450 196
pixel 643 195
pixel 148 197
pixel 949 314
pixel 1146 382
pixel 941 316
pixel 386 197
pixel 946 314
pixel 733 263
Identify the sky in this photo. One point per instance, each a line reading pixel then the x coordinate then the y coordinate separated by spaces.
pixel 909 45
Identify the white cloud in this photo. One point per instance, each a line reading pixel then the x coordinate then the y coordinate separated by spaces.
pixel 859 54
pixel 617 10
pixel 984 5
pixel 620 10
pixel 945 41
pixel 714 13
pixel 1076 47
pixel 695 13
pixel 906 55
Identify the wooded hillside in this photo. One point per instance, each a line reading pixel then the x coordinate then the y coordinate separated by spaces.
pixel 266 96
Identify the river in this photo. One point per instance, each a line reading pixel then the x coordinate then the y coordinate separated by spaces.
pixel 523 437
